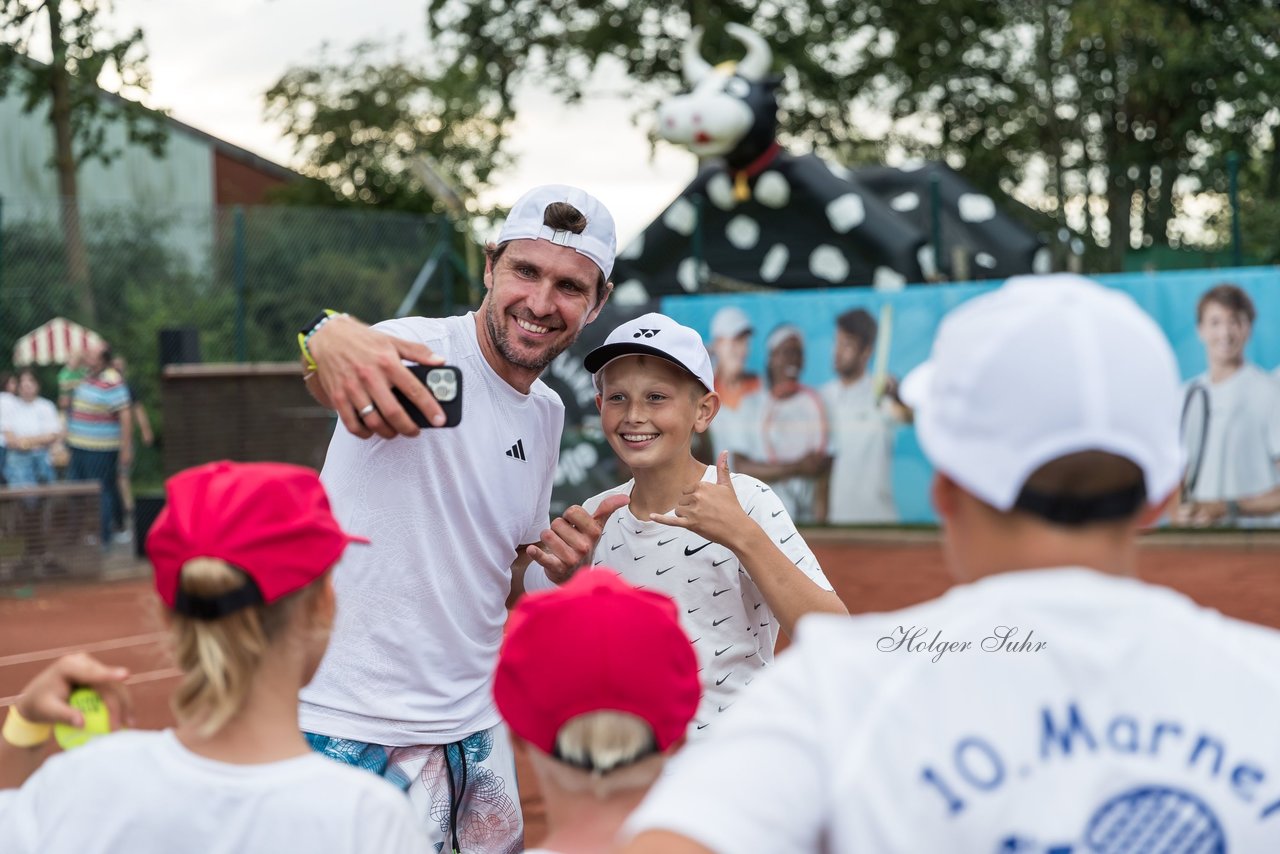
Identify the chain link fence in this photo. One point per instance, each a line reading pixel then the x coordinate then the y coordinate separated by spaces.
pixel 239 280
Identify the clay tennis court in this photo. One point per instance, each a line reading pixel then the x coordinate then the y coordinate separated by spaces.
pixel 1237 573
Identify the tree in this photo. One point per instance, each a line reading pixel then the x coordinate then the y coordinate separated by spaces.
pixel 359 125
pixel 82 53
pixel 1113 111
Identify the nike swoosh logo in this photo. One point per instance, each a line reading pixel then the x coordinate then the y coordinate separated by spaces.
pixel 748 655
pixel 726 560
pixel 722 708
pixel 668 569
pixel 721 620
pixel 763 488
pixel 615 548
pixel 688 551
pixel 718 592
pixel 723 651
pixel 691 610
pixel 749 509
pixel 664 542
pixel 703 726
pixel 775 514
pixel 637 558
pixel 691 580
pixel 757 607
pixel 789 536
pixel 720 681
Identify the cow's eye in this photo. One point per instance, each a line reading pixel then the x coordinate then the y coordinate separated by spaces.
pixel 737 87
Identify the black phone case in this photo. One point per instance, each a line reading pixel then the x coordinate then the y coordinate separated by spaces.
pixel 452 408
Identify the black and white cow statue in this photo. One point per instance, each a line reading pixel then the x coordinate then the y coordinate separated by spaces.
pixel 758 215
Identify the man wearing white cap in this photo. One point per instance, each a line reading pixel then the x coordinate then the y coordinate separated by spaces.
pixel 1053 704
pixel 404 689
pixel 788 444
pixel 731 332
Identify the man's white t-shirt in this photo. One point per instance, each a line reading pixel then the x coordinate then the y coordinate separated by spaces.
pixel 36 418
pixel 1143 719
pixel 143 791
pixel 862 450
pixel 421 610
pixel 721 609
pixel 783 431
pixel 6 400
pixel 1242 448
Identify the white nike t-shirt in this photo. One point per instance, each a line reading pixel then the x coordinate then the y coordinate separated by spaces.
pixel 421 610
pixel 721 609
pixel 1119 717
pixel 862 450
pixel 143 791
pixel 1242 447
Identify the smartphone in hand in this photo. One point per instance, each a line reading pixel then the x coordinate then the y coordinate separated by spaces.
pixel 445 384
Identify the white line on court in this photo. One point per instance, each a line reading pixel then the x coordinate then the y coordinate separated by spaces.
pixel 135 679
pixel 100 646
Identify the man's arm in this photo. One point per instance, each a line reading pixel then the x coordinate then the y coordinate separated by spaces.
pixel 126 437
pixel 357 366
pixel 810 465
pixel 1208 512
pixel 144 423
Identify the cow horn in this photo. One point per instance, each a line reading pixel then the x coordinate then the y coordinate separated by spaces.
pixel 692 64
pixel 755 65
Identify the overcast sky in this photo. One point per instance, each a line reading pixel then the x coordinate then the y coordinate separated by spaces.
pixel 211 63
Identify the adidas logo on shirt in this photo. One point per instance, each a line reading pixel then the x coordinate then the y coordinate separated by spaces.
pixel 516 451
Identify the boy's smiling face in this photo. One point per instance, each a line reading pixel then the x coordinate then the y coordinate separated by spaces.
pixel 650 409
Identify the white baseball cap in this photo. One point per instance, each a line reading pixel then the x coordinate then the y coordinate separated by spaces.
pixel 598 241
pixel 781 333
pixel 1044 367
pixel 654 334
pixel 730 322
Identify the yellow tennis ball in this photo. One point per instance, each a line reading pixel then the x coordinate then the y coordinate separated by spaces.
pixel 97 721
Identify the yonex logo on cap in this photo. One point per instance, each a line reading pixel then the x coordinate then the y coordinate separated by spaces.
pixel 646 333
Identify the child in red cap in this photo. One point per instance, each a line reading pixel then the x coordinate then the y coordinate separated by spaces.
pixel 599 678
pixel 242 554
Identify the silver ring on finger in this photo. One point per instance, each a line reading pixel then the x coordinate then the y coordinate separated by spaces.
pixel 367 410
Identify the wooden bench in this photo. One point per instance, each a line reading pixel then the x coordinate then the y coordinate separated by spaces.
pixel 50 531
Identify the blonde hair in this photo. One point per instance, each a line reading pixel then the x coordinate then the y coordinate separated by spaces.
pixel 219 658
pixel 618 745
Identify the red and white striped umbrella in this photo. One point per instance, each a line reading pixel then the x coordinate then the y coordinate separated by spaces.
pixel 54 343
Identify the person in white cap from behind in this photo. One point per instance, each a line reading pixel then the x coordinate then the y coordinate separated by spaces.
pixel 722 545
pixel 404 688
pixel 731 332
pixel 788 443
pixel 1052 703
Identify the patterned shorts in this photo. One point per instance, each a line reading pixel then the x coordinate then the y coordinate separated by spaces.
pixel 468 787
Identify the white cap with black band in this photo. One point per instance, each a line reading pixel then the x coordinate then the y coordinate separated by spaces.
pixel 655 335
pixel 598 241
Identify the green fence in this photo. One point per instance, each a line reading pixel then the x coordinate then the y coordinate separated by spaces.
pixel 244 277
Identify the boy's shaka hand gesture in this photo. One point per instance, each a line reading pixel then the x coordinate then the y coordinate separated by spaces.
pixel 711 510
pixel 572 538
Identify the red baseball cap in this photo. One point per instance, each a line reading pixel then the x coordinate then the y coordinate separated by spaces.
pixel 596 644
pixel 269 520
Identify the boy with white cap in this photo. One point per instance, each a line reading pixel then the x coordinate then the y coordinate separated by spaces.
pixel 598 678
pixel 1055 704
pixel 723 546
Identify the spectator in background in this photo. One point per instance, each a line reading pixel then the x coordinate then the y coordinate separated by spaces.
pixel 69 377
pixel 124 507
pixel 100 431
pixel 862 422
pixel 730 342
pixel 600 681
pixel 787 443
pixel 8 393
pixel 1241 455
pixel 30 425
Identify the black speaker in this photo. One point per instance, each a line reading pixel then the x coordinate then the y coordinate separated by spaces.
pixel 145 510
pixel 179 346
